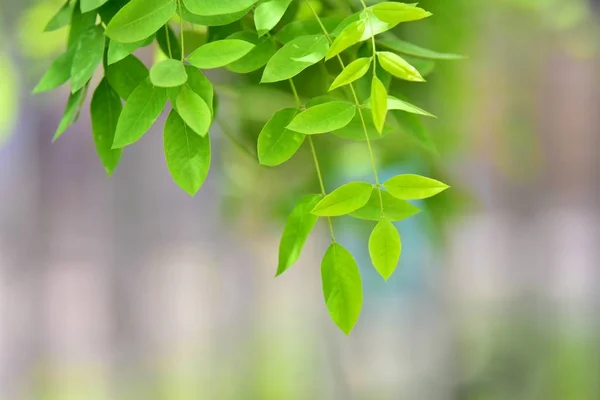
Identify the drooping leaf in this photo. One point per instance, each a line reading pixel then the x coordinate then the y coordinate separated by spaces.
pixel 344 200
pixel 399 67
pixel 194 111
pixel 80 23
pixel 395 209
pixel 197 83
pixel 211 20
pixel 378 103
pixel 219 53
pixel 297 228
pixel 276 144
pixel 105 110
pixel 353 71
pixel 87 58
pixel 89 5
pixel 139 19
pixel 385 248
pixel 400 46
pixel 168 73
pixel 142 108
pixel 351 35
pixel 126 75
pixel 342 287
pixel 218 7
pixel 61 19
pixel 187 154
pixel 395 13
pixel 414 187
pixel 168 42
pixel 118 51
pixel 323 118
pixel 70 113
pixel 294 57
pixel 268 14
pixel 257 58
pixel 58 73
pixel 394 103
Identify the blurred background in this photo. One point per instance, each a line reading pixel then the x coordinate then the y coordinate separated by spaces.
pixel 126 288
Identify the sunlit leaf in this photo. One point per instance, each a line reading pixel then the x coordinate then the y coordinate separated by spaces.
pixel 139 19
pixel 414 187
pixel 217 7
pixel 276 144
pixel 268 14
pixel 219 53
pixel 394 103
pixel 351 35
pixel 168 73
pixel 395 209
pixel 344 200
pixel 285 63
pixel 62 17
pixel 378 103
pixel 212 20
pixel 399 67
pixel 395 13
pixel 385 248
pixel 353 71
pixel 323 118
pixel 118 51
pixel 87 58
pixel 89 5
pixel 194 111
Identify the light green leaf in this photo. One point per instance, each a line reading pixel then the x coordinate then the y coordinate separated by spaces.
pixel 323 118
pixel 71 112
pixel 88 55
pixel 395 209
pixel 284 64
pixel 344 200
pixel 118 51
pixel 197 83
pixel 353 71
pixel 394 103
pixel 89 5
pixel 218 7
pixel 378 103
pixel 168 73
pixel 400 46
pixel 105 110
pixel 395 13
pixel 351 35
pixel 139 19
pixel 257 58
pixel 126 75
pixel 194 111
pixel 342 287
pixel 297 228
pixel 62 17
pixel 414 187
pixel 268 14
pixel 187 154
pixel 219 53
pixel 58 73
pixel 142 108
pixel 399 67
pixel 212 20
pixel 385 248
pixel 276 144
pixel 79 24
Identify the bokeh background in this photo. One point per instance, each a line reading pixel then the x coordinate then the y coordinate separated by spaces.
pixel 126 288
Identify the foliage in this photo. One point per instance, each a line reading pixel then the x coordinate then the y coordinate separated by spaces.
pixel 250 36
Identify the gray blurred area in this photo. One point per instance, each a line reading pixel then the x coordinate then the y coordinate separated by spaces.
pixel 127 288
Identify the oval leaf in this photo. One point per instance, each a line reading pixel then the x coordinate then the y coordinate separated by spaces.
pixel 385 248
pixel 126 75
pixel 211 20
pixel 400 46
pixel 398 66
pixel 194 111
pixel 217 7
pixel 257 58
pixel 344 200
pixel 139 19
pixel 395 13
pixel 414 187
pixel 105 110
pixel 276 144
pixel 89 5
pixel 88 55
pixel 394 103
pixel 71 112
pixel 323 118
pixel 168 73
pixel 219 53
pixel 378 103
pixel 351 35
pixel 353 71
pixel 58 73
pixel 268 14
pixel 395 209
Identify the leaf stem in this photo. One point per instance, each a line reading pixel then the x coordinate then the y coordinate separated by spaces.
pixel 168 40
pixel 181 30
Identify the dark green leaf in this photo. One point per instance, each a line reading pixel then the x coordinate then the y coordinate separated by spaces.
pixel 118 51
pixel 70 113
pixel 385 248
pixel 105 110
pixel 168 42
pixel 344 200
pixel 126 75
pixel 296 29
pixel 58 73
pixel 323 118
pixel 257 57
pixel 87 58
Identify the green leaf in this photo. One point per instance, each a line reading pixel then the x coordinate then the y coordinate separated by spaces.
pixel 297 228
pixel 70 113
pixel 80 23
pixel 355 130
pixel 212 20
pixel 89 5
pixel 412 126
pixel 218 7
pixel 268 14
pixel 395 209
pixel 323 118
pixel 61 19
pixel 351 35
pixel 194 111
pixel 395 13
pixel 89 53
pixel 257 58
pixel 105 110
pixel 414 187
pixel 400 46
pixel 58 73
pixel 276 144
pixel 168 42
pixel 142 108
pixel 342 287
pixel 344 200
pixel 187 154
pixel 139 19
pixel 385 248
pixel 399 67
pixel 378 103
pixel 394 103
pixel 118 51
pixel 294 57
pixel 168 73
pixel 296 29
pixel 219 53
pixel 353 71
pixel 126 75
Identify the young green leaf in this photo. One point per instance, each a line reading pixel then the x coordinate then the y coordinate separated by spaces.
pixel 58 73
pixel 142 108
pixel 168 42
pixel 400 46
pixel 395 209
pixel 351 35
pixel 62 17
pixel 342 287
pixel 378 103
pixel 323 118
pixel 168 73
pixel 105 110
pixel 297 228
pixel 70 113
pixel 201 86
pixel 399 67
pixel 394 103
pixel 294 57
pixel 212 20
pixel 118 51
pixel 139 19
pixel 257 58
pixel 414 187
pixel 217 7
pixel 276 144
pixel 89 5
pixel 395 13
pixel 268 14
pixel 385 248
pixel 344 200
pixel 353 71
pixel 88 55
pixel 194 111
pixel 219 53
pixel 187 154
pixel 126 75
